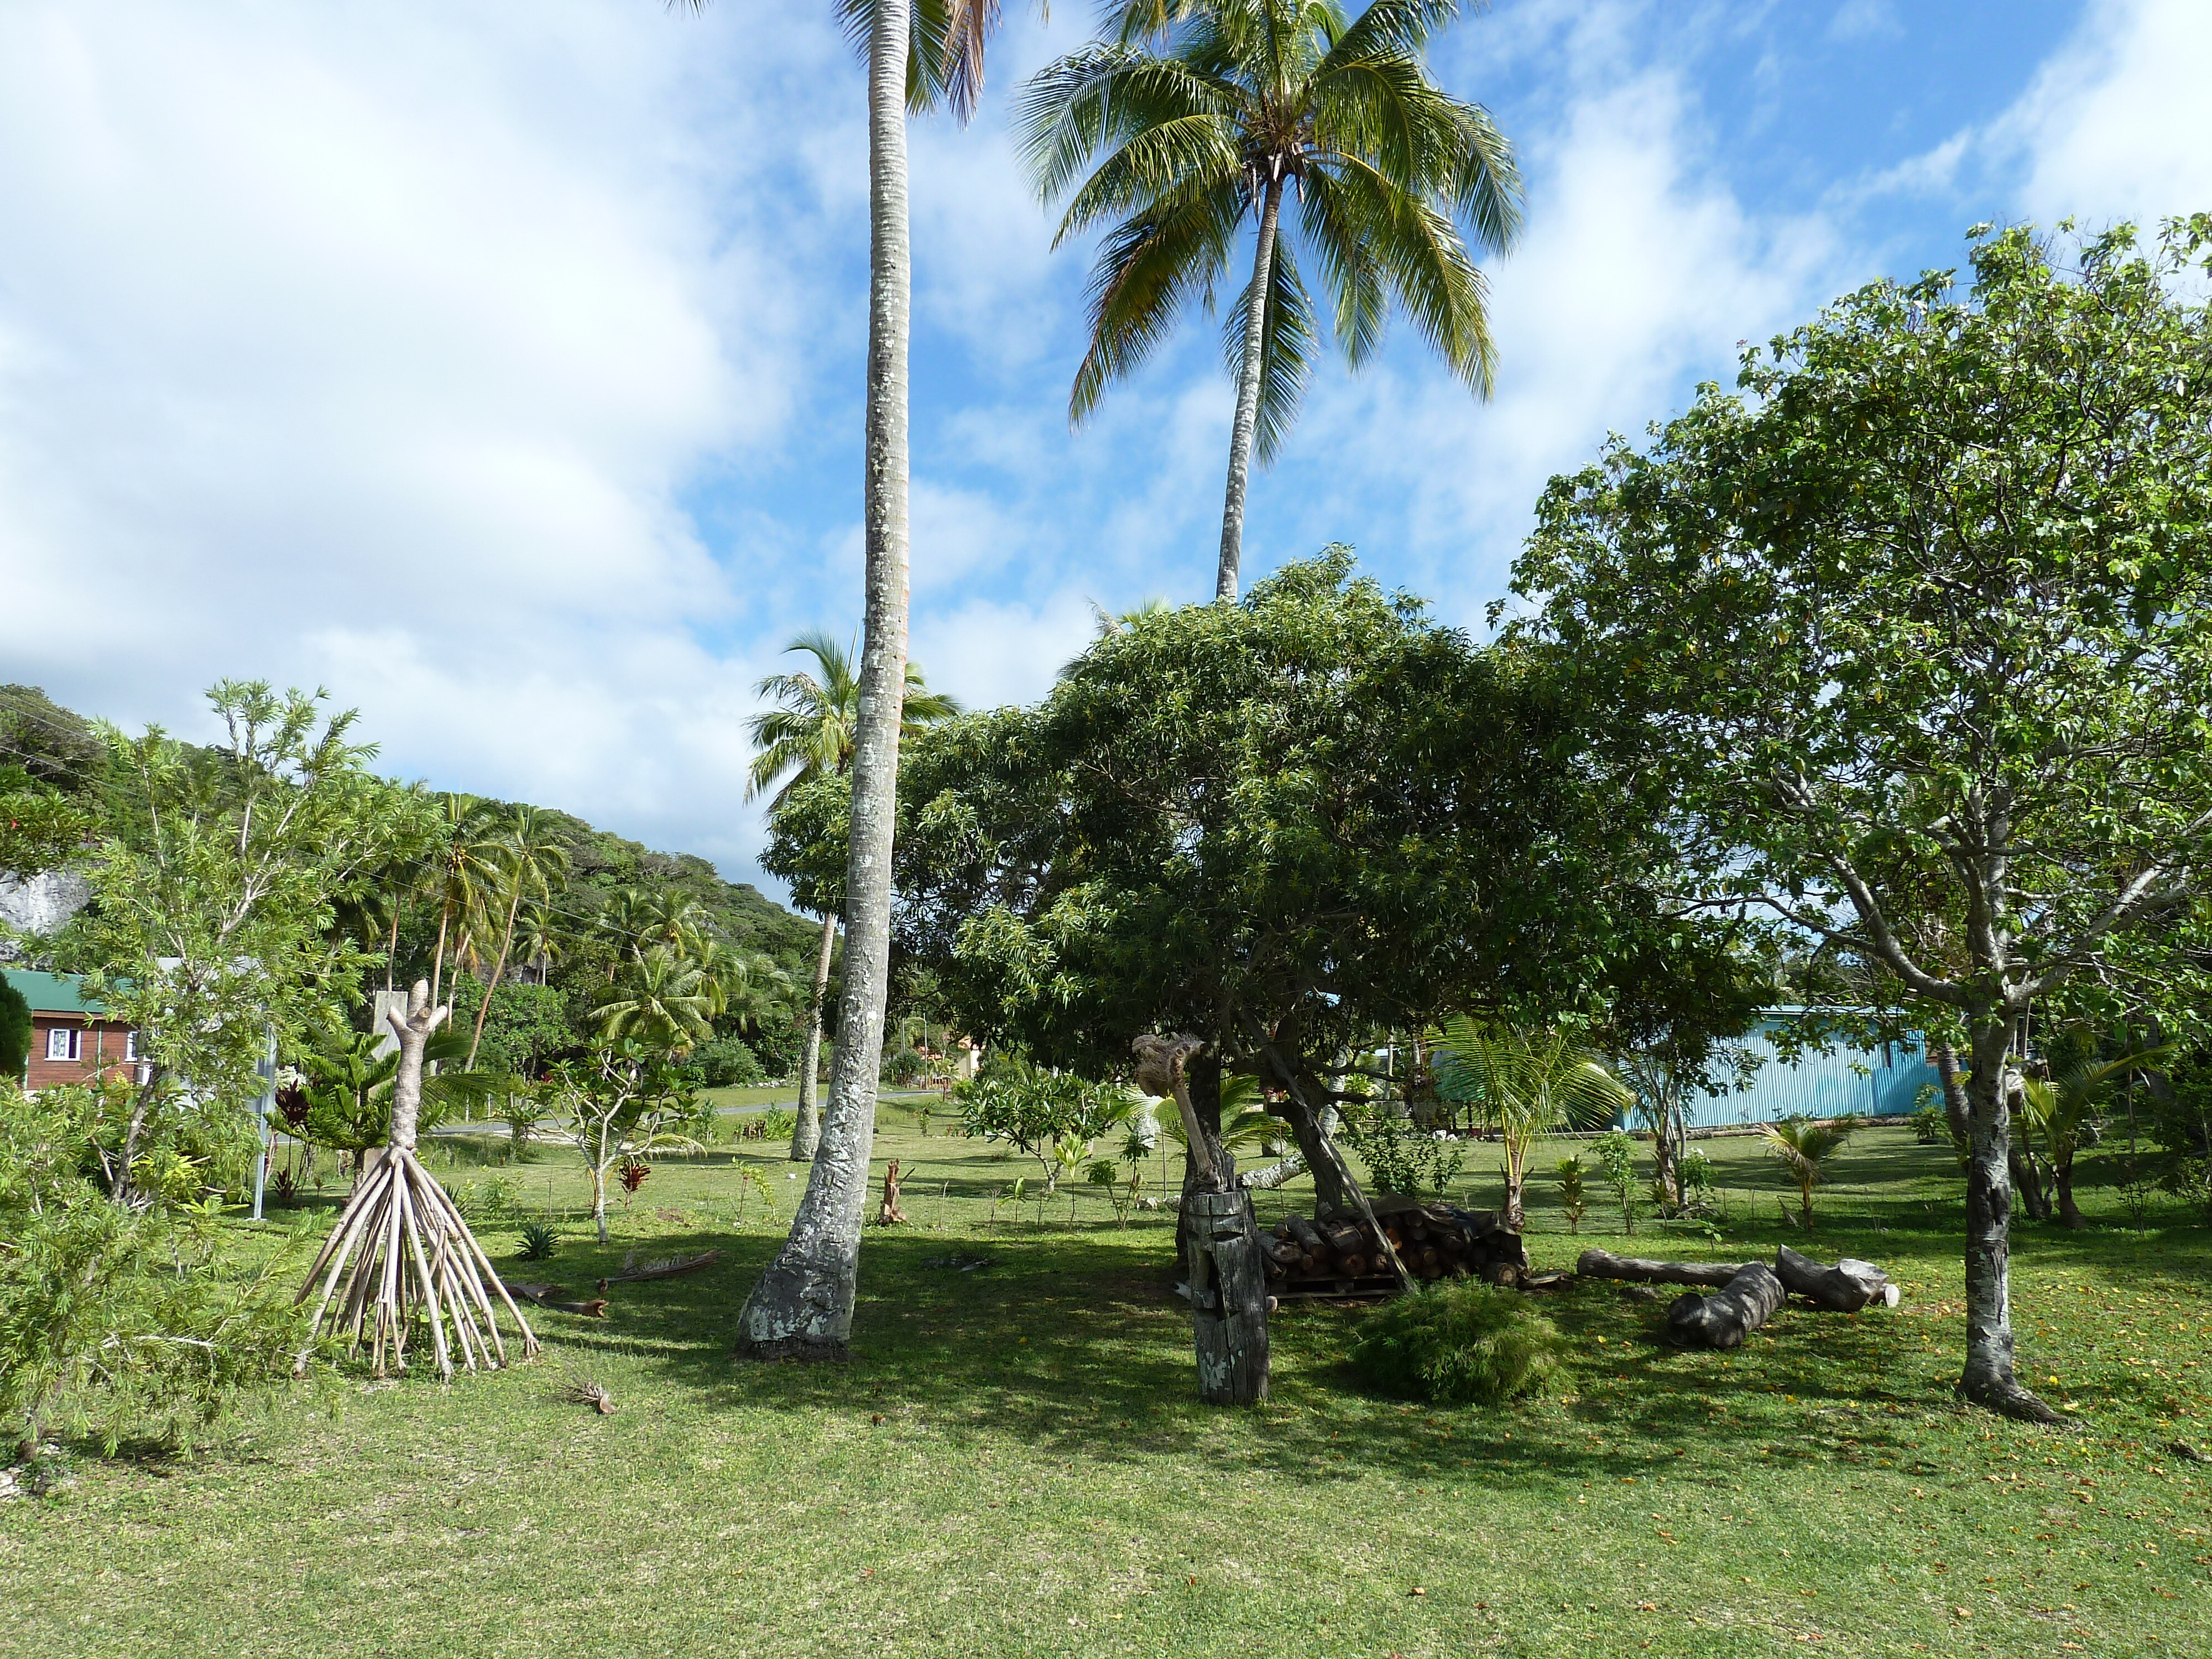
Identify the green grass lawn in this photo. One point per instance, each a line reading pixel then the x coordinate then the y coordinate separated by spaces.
pixel 1013 1463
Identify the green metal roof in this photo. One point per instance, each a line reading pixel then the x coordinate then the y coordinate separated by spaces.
pixel 54 993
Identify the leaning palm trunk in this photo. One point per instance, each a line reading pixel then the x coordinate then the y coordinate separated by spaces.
pixel 803 1305
pixel 401 1252
pixel 1988 1380
pixel 806 1133
pixel 1248 396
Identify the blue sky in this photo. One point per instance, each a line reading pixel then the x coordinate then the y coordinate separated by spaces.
pixel 497 363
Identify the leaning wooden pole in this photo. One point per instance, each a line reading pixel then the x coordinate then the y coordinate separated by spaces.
pixel 401 1257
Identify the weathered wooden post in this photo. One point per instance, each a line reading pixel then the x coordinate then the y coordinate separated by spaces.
pixel 1224 1276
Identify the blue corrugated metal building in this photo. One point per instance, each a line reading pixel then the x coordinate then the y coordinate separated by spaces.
pixel 1882 1081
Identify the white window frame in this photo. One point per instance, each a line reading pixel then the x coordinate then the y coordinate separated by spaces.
pixel 129 1046
pixel 66 1038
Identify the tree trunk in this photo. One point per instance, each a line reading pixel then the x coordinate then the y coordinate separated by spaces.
pixel 1248 396
pixel 1311 1135
pixel 1988 1379
pixel 1958 1113
pixel 803 1305
pixel 2062 1173
pixel 1516 1159
pixel 806 1133
pixel 2027 1181
pixel 483 1008
pixel 600 1201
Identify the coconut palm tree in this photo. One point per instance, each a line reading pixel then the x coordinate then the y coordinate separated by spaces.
pixel 810 733
pixel 670 1002
pixel 537 941
pixel 464 875
pixel 2057 1111
pixel 1523 1081
pixel 803 1304
pixel 1805 1145
pixel 1202 115
pixel 531 860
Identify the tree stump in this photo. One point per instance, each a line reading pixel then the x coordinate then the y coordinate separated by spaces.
pixel 890 1215
pixel 1724 1319
pixel 1225 1277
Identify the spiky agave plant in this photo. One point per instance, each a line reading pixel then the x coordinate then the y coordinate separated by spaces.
pixel 1805 1145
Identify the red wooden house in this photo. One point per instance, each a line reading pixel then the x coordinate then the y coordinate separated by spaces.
pixel 74 1039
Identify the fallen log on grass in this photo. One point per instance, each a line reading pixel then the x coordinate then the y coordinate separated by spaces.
pixel 1725 1318
pixel 1848 1286
pixel 1601 1264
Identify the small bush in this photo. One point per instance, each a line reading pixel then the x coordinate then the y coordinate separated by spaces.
pixel 726 1062
pixel 540 1242
pixel 1463 1343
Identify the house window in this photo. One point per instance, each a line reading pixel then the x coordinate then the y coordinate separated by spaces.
pixel 131 1045
pixel 64 1042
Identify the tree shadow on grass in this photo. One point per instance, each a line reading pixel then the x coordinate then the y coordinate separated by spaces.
pixel 1076 1346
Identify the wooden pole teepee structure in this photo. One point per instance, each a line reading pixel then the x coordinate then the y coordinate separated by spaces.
pixel 401 1250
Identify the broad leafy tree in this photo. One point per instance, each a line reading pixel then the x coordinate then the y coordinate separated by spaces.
pixel 1197 117
pixel 1277 826
pixel 1911 638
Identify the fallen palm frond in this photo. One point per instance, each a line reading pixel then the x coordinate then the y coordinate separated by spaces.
pixel 667 1268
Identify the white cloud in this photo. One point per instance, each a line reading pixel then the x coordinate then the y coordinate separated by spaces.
pixel 372 345
pixel 987 653
pixel 2119 123
pixel 1638 269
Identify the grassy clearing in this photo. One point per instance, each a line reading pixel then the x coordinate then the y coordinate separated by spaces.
pixel 1013 1464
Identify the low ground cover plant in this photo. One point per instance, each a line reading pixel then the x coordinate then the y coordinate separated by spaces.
pixel 1459 1344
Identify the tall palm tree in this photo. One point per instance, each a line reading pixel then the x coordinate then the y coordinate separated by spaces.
pixel 1523 1081
pixel 465 872
pixel 1204 114
pixel 810 733
pixel 803 1304
pixel 530 859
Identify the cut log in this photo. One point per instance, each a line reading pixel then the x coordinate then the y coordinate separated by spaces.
pixel 1600 1264
pixel 1352 1266
pixel 1724 1319
pixel 1280 1252
pixel 1343 1238
pixel 1308 1235
pixel 1848 1286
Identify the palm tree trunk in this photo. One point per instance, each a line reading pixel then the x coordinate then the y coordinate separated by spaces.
pixel 484 1007
pixel 1248 398
pixel 1988 1379
pixel 803 1305
pixel 438 960
pixel 806 1133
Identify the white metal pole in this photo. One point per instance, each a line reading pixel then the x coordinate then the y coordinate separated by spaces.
pixel 265 1069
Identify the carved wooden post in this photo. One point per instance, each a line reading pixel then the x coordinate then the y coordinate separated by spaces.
pixel 1227 1283
pixel 1223 1275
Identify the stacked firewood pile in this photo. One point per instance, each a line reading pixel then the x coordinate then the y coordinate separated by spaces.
pixel 1344 1255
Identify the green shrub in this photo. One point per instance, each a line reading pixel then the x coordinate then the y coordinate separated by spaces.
pixel 1462 1343
pixel 539 1240
pixel 727 1063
